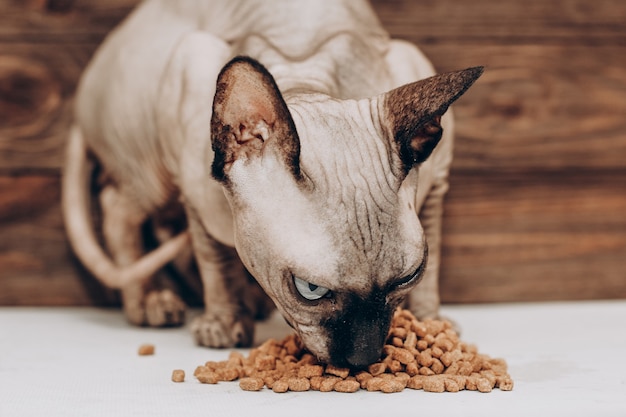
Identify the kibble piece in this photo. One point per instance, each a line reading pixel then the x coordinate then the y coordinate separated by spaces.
pixel 251 384
pixel 436 352
pixel 328 383
pixel 269 381
pixel 362 376
pixel 434 327
pixel 472 382
pixel 340 372
pixel 299 384
pixel 399 332
pixel 459 379
pixel 484 385
pixel 208 377
pixel 146 349
pixel 309 371
pixel 451 385
pixel 437 366
pixel 430 339
pixel 347 385
pixel 411 340
pixel 426 371
pixel 212 365
pixel 228 374
pixel 293 345
pixel 392 385
pixel 374 384
pixel 466 368
pixel 421 345
pixel 265 362
pixel 402 376
pixel 434 384
pixel 394 366
pixel 416 382
pixel 307 359
pixel 200 369
pixel 425 359
pixel 403 356
pixel 418 328
pixel 280 386
pixel 444 344
pixel 505 383
pixel 178 375
pixel 412 369
pixel 316 382
pixel 377 368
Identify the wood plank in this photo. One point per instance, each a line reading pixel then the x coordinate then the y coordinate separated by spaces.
pixel 536 107
pixel 547 106
pixel 442 21
pixel 60 21
pixel 540 107
pixel 559 236
pixel 36 262
pixel 511 22
pixel 37 84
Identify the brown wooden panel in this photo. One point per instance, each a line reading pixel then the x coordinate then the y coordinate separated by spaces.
pixel 536 21
pixel 59 21
pixel 37 84
pixel 439 21
pixel 547 106
pixel 540 107
pixel 536 209
pixel 36 265
pixel 535 237
pixel 550 107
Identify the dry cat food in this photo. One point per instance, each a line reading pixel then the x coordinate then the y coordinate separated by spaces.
pixel 178 375
pixel 425 355
pixel 146 349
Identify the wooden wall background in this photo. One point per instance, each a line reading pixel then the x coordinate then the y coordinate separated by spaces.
pixel 537 209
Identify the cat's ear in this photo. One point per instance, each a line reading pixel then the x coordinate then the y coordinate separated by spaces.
pixel 251 119
pixel 412 113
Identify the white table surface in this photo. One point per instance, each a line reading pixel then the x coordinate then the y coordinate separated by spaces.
pixel 567 359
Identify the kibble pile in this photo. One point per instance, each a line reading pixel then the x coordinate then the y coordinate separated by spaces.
pixel 424 355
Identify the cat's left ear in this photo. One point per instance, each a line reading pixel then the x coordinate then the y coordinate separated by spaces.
pixel 251 119
pixel 412 113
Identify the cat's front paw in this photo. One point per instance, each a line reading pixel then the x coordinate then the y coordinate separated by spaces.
pixel 158 308
pixel 223 330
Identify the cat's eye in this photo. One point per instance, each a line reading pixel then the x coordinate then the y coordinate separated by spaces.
pixel 310 291
pixel 411 278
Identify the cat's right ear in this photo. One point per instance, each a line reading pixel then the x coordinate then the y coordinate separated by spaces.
pixel 412 113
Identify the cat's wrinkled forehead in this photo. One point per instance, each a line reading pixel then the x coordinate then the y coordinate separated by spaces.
pixel 353 187
pixel 343 149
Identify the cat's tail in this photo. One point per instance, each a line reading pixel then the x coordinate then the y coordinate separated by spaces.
pixel 78 223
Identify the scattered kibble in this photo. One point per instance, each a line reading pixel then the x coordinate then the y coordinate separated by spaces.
pixel 422 355
pixel 178 375
pixel 146 349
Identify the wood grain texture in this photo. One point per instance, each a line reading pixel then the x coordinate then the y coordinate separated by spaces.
pixel 37 83
pixel 540 107
pixel 541 236
pixel 36 264
pixel 61 21
pixel 560 105
pixel 505 22
pixel 537 205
